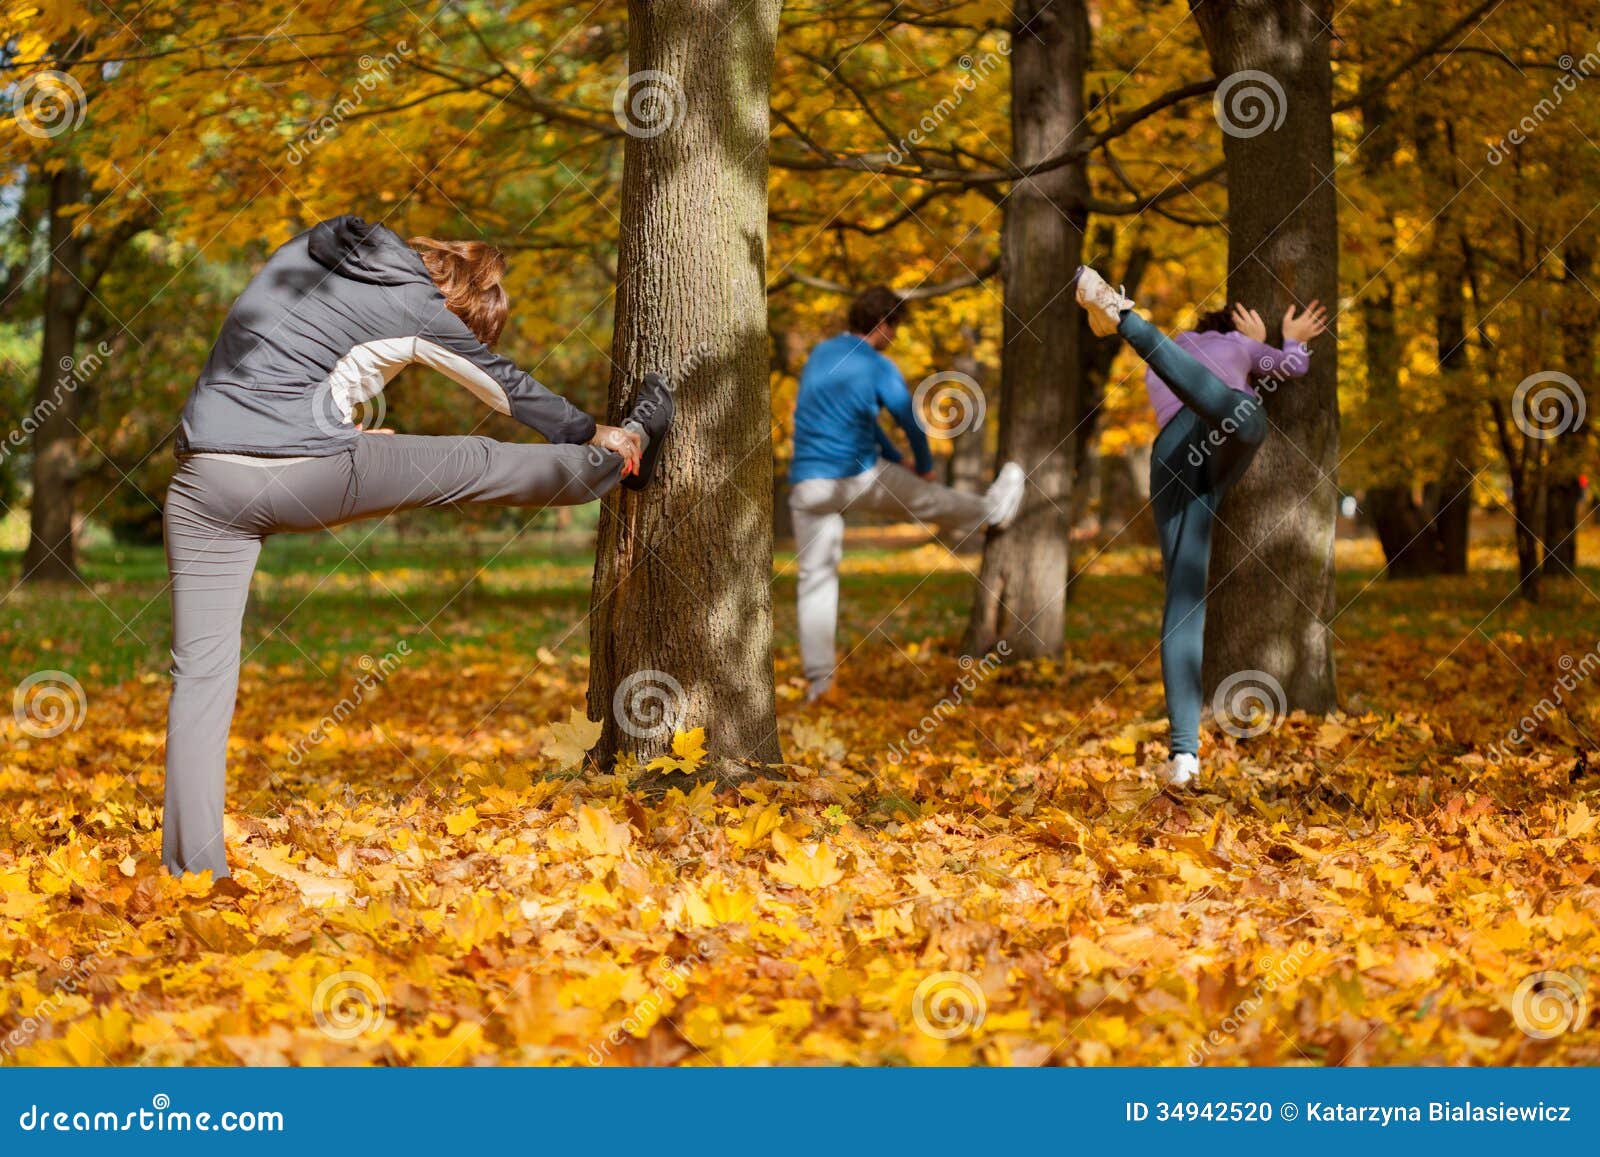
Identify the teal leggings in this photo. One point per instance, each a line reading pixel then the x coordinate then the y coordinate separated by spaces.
pixel 1198 457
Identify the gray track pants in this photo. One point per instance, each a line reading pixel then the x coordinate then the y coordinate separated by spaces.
pixel 819 506
pixel 218 511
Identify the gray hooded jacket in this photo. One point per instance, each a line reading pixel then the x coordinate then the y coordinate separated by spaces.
pixel 333 315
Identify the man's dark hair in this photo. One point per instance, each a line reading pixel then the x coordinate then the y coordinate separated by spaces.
pixel 874 307
pixel 1217 321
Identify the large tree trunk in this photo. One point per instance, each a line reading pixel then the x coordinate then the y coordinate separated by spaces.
pixel 682 618
pixel 1272 567
pixel 52 554
pixel 1021 595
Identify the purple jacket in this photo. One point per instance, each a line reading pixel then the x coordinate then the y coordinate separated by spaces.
pixel 1234 358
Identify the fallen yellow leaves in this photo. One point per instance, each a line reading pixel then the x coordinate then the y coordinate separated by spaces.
pixel 1350 890
pixel 807 866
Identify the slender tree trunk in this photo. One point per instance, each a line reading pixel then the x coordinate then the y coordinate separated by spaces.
pixel 52 554
pixel 1561 528
pixel 1022 587
pixel 1272 567
pixel 1410 544
pixel 1430 537
pixel 1571 449
pixel 1528 503
pixel 967 457
pixel 1452 509
pixel 681 630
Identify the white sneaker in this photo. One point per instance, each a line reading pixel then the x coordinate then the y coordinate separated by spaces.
pixel 1005 495
pixel 1105 305
pixel 1179 771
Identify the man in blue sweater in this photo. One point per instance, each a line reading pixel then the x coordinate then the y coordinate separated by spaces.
pixel 844 461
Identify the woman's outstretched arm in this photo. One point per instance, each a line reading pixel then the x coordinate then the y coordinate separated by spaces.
pixel 444 343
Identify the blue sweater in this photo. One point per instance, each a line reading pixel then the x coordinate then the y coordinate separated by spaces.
pixel 842 389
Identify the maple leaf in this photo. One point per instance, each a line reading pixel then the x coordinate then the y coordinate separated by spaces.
pixel 462 822
pixel 599 834
pixel 807 866
pixel 758 822
pixel 688 751
pixel 567 743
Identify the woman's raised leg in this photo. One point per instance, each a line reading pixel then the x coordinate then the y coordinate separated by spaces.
pixel 394 472
pixel 1236 414
pixel 217 513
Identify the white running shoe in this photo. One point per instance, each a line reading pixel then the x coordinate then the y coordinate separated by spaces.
pixel 1179 771
pixel 1005 495
pixel 1105 305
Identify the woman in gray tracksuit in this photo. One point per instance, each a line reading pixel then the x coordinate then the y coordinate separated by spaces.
pixel 268 443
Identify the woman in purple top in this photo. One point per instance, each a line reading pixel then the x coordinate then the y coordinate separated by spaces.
pixel 1211 426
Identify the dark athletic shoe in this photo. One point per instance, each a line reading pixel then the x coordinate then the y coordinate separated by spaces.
pixel 653 410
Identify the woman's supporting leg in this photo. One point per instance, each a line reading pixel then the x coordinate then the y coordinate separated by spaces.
pixel 210 562
pixel 1184 510
pixel 1230 411
pixel 819 548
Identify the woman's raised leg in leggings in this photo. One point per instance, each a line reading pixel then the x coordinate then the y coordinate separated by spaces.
pixel 217 513
pixel 1218 406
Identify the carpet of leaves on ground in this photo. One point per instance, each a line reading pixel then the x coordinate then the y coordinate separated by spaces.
pixel 431 885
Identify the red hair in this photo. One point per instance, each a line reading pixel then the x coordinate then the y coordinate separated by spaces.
pixel 469 274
